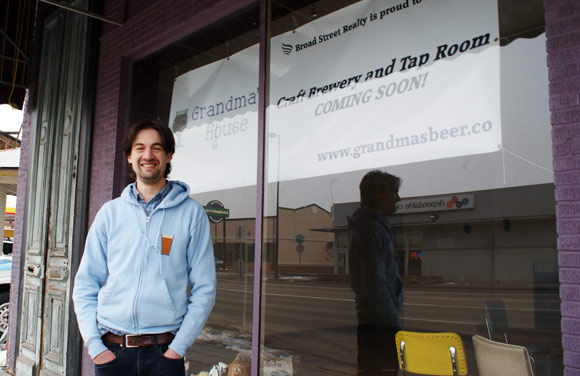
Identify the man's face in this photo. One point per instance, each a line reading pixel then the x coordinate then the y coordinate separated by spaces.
pixel 148 158
pixel 387 201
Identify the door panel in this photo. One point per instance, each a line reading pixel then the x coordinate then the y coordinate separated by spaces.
pixel 41 166
pixel 47 282
pixel 62 199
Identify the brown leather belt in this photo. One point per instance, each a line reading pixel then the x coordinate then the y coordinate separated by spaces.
pixel 136 340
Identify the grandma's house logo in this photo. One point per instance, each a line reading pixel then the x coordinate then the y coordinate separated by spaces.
pixel 287 48
pixel 455 201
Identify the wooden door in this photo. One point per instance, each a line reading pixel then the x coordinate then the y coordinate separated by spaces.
pixel 47 279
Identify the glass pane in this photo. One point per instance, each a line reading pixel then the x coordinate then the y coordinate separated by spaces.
pixel 452 98
pixel 195 85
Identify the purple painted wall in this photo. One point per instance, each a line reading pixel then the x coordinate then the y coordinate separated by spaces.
pixel 563 47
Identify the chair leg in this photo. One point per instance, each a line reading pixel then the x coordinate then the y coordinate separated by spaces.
pixel 487 326
pixel 402 352
pixel 452 352
pixel 547 364
pixel 533 364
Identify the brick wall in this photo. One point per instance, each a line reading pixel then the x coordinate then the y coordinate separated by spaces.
pixel 21 192
pixel 563 47
pixel 8 142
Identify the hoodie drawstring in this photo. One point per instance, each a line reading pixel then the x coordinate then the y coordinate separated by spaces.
pixel 159 239
pixel 147 241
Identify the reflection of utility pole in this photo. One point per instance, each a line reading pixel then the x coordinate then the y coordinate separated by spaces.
pixel 215 240
pixel 225 254
pixel 300 250
pixel 241 250
pixel 276 249
pixel 407 245
pixel 300 260
pixel 336 256
pixel 331 183
pixel 492 277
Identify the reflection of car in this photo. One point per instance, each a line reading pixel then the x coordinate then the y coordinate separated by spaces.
pixel 5 275
pixel 219 264
pixel 7 247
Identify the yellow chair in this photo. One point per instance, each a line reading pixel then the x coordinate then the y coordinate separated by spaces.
pixel 431 353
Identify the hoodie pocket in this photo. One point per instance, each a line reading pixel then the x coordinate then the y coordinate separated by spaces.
pixel 156 308
pixel 107 291
pixel 114 301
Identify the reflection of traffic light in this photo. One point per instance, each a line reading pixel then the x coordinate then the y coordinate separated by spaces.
pixel 416 255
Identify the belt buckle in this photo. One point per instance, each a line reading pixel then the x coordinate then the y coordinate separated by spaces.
pixel 127 341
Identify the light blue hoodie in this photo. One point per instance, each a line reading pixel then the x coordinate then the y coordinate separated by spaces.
pixel 125 283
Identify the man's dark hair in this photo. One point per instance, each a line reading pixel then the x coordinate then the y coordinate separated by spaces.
pixel 374 182
pixel 167 139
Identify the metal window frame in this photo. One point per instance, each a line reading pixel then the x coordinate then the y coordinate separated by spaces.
pixel 264 90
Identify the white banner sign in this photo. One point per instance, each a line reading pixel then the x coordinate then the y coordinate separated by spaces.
pixel 375 84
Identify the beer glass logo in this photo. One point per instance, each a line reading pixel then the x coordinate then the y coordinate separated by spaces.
pixel 179 125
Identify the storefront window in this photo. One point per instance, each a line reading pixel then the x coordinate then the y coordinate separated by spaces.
pixel 452 98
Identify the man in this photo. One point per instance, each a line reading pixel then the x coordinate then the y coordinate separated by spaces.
pixel 142 251
pixel 374 274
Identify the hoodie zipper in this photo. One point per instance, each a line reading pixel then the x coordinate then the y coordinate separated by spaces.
pixel 140 273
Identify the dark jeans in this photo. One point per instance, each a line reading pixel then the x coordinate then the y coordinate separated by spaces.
pixel 377 351
pixel 140 361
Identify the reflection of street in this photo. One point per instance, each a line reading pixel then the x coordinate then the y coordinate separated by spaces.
pixel 315 321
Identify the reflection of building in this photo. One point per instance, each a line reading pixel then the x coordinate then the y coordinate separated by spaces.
pixel 8 142
pixel 9 162
pixel 479 243
pixel 237 248
pixel 9 222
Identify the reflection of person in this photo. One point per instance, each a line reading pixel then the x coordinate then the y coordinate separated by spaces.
pixel 374 274
pixel 143 249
